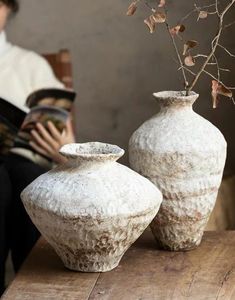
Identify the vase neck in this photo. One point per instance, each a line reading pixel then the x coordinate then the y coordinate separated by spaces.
pixel 175 100
pixel 91 155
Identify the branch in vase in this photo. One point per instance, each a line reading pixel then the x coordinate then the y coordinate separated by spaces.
pixel 159 17
pixel 215 43
pixel 178 56
pixel 218 87
pixel 186 59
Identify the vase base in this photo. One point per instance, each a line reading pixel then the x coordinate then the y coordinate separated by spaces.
pixel 178 248
pixel 177 243
pixel 91 267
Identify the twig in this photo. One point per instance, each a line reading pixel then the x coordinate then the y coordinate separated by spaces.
pixel 215 43
pixel 226 50
pixel 225 70
pixel 210 59
pixel 218 68
pixel 178 55
pixel 199 55
pixel 190 71
pixel 212 76
pixel 150 7
pixel 174 44
pixel 217 8
pixel 228 25
pixel 196 9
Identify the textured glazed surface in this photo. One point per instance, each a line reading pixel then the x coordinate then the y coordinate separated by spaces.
pixel 92 208
pixel 183 155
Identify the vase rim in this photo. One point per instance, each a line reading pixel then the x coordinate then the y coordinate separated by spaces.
pixel 176 95
pixel 92 151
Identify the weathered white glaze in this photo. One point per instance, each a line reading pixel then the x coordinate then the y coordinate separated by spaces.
pixel 92 208
pixel 183 155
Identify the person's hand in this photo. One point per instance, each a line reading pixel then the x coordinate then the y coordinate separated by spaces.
pixel 48 141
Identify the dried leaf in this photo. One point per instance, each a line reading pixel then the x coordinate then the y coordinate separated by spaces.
pixel 162 3
pixel 132 9
pixel 156 18
pixel 202 14
pixel 189 45
pixel 177 29
pixel 219 89
pixel 214 93
pixel 159 17
pixel 150 22
pixel 189 61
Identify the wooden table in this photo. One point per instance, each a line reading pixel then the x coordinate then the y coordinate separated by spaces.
pixel 144 273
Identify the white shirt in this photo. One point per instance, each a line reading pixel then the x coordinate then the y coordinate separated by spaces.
pixel 22 72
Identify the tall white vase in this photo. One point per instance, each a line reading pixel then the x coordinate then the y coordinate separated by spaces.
pixel 183 155
pixel 92 208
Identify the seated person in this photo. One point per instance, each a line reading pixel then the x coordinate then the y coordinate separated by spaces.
pixel 22 72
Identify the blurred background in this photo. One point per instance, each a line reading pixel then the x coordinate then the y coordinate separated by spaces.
pixel 118 64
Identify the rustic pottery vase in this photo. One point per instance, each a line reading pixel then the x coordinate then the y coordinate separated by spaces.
pixel 183 155
pixel 91 209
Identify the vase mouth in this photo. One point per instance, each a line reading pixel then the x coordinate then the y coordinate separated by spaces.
pixel 176 97
pixel 92 151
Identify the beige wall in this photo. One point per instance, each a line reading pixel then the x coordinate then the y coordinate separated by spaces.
pixel 117 64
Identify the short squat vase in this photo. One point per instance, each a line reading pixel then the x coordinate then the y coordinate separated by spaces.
pixel 183 154
pixel 91 209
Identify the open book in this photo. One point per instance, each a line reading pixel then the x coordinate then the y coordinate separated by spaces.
pixel 45 105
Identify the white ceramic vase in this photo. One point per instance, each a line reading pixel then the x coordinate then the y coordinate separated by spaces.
pixel 183 155
pixel 91 209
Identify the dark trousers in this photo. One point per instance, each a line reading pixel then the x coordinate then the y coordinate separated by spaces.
pixel 5 203
pixel 17 232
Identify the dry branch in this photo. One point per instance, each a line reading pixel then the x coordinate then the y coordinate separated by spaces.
pixel 188 60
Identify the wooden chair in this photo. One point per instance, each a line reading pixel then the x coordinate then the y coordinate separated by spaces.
pixel 61 64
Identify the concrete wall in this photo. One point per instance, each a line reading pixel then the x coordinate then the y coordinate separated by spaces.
pixel 117 63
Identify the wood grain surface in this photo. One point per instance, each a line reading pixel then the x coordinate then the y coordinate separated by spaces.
pixel 145 273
